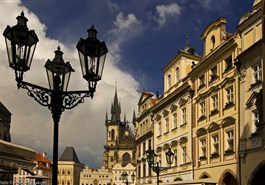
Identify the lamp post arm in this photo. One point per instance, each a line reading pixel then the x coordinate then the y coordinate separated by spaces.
pixel 72 98
pixel 40 94
pixel 43 96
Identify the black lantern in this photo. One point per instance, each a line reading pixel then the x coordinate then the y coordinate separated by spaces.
pixel 92 55
pixel 58 72
pixel 124 176
pixel 133 177
pixel 169 156
pixel 150 155
pixel 20 43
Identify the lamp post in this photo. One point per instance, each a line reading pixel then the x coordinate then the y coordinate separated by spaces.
pixel 154 164
pixel 21 43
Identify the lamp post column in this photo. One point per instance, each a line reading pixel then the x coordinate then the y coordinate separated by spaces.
pixel 56 109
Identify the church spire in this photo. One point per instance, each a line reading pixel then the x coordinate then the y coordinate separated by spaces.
pixel 115 109
pixel 134 119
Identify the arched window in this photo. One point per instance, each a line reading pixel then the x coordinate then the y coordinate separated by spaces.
pixel 169 80
pixel 126 158
pixel 177 74
pixel 213 41
pixel 112 135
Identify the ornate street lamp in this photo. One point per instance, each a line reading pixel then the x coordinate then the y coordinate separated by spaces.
pixel 92 54
pixel 21 43
pixel 154 164
pixel 169 156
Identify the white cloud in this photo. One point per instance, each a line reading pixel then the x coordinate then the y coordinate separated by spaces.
pixel 124 29
pixel 166 11
pixel 82 127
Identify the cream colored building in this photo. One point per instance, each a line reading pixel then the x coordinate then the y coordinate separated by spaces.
pixel 69 168
pixel 101 176
pixel 215 106
pixel 250 66
pixel 144 135
pixel 212 115
pixel 172 117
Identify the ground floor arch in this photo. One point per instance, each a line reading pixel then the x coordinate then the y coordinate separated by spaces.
pixel 228 179
pixel 257 176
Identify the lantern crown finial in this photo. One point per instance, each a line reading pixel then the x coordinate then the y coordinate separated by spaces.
pixel 92 32
pixel 22 20
pixel 58 55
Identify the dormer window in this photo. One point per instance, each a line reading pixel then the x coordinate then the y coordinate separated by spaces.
pixel 177 74
pixel 213 41
pixel 169 80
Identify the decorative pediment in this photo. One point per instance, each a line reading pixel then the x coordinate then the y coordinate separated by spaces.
pixel 144 97
pixel 173 107
pixel 165 113
pixel 228 121
pixel 200 97
pixel 201 132
pixel 252 99
pixel 213 90
pixel 183 140
pixel 166 146
pixel 158 117
pixel 213 127
pixel 182 101
pixel 227 81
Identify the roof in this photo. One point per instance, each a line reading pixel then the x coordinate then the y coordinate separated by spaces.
pixel 69 154
pixel 4 109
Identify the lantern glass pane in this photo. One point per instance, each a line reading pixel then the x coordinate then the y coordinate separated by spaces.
pixel 82 62
pixel 9 51
pixel 30 54
pixel 50 78
pixel 101 65
pixel 66 81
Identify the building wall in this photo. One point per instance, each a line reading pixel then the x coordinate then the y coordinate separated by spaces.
pixel 251 78
pixel 69 172
pixel 100 176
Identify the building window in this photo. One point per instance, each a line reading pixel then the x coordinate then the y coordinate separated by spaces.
pixel 229 95
pixel 215 140
pixel 214 104
pixel 112 134
pixel 230 140
pixel 175 120
pixel 203 148
pixel 255 120
pixel 213 42
pixel 184 116
pixel 167 125
pixel 169 81
pixel 214 73
pixel 177 74
pixel 228 63
pixel 201 81
pixel 202 110
pixel 184 154
pixel 144 148
pixel 176 157
pixel 160 128
pixel 257 73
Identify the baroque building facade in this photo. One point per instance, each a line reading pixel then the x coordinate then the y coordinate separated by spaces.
pixel 211 112
pixel 69 167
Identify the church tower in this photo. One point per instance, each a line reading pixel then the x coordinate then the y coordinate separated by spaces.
pixel 119 147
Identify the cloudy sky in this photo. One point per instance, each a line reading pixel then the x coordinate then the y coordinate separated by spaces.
pixel 142 37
